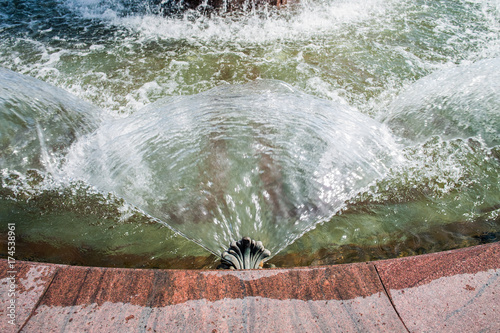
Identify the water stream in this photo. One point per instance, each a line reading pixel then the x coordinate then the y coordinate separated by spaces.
pixel 333 131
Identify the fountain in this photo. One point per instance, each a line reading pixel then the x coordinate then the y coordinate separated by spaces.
pixel 352 138
pixel 261 160
pixel 331 139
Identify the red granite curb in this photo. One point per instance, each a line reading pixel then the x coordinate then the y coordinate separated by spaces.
pixel 453 291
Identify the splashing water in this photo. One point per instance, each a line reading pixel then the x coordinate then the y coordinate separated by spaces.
pixel 461 102
pixel 38 122
pixel 278 124
pixel 121 57
pixel 261 160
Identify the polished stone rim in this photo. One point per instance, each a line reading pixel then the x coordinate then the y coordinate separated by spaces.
pixel 456 290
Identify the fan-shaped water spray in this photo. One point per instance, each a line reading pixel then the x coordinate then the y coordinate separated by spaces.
pixel 39 122
pixel 261 160
pixel 461 102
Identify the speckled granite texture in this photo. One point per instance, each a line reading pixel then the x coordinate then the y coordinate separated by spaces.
pixel 455 291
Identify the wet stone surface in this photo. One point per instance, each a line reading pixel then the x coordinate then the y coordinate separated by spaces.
pixel 456 290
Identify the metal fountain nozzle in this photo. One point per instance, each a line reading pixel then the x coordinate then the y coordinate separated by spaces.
pixel 244 254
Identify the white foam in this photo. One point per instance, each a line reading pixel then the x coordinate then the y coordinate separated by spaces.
pixel 258 26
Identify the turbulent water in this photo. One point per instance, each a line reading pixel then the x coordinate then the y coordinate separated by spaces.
pixel 330 130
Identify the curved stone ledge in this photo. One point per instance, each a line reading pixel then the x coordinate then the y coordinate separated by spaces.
pixel 454 291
